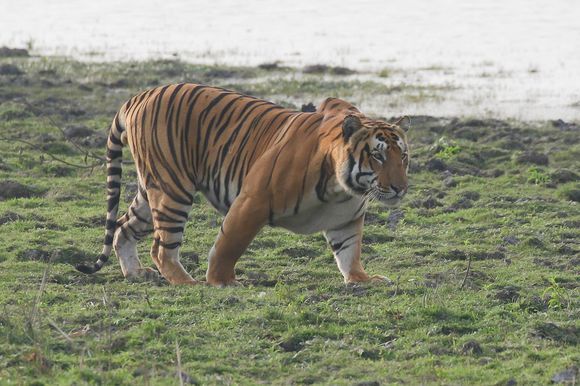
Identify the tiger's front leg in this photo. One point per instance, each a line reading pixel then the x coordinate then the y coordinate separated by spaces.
pixel 242 223
pixel 346 246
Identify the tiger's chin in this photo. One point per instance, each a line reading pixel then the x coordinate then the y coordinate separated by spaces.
pixel 391 202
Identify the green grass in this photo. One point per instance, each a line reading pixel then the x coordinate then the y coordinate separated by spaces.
pixel 514 316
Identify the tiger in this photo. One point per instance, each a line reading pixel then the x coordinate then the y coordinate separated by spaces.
pixel 258 164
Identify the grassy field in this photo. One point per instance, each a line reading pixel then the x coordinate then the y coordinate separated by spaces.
pixel 484 253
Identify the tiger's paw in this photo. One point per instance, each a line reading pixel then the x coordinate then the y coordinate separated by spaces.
pixel 144 275
pixel 223 284
pixel 380 279
pixel 364 278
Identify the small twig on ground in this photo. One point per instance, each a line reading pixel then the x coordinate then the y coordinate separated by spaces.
pixel 33 322
pixel 34 311
pixel 52 122
pixel 397 286
pixel 147 298
pixel 178 355
pixel 466 272
pixel 108 306
pixel 57 328
pixel 38 148
pixel 87 154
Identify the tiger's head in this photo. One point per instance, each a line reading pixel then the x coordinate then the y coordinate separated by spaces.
pixel 376 159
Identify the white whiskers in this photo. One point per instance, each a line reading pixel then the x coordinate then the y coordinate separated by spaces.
pixel 376 194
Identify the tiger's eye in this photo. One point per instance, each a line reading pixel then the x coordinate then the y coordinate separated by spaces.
pixel 381 138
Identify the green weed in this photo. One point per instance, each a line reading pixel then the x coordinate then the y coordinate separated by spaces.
pixel 385 73
pixel 558 296
pixel 446 148
pixel 537 176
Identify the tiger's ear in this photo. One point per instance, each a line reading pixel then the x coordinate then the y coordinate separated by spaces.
pixel 404 122
pixel 350 125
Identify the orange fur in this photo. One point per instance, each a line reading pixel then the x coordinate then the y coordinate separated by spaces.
pixel 256 162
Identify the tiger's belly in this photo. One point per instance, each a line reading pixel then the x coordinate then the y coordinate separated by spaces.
pixel 313 216
pixel 321 216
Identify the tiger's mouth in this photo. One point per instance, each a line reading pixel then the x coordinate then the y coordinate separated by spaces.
pixel 389 196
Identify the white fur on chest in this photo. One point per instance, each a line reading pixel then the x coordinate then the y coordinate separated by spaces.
pixel 315 216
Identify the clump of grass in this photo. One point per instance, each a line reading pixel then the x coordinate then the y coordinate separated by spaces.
pixel 537 176
pixel 558 297
pixel 445 148
pixel 385 73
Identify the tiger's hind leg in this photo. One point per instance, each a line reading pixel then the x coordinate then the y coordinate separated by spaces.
pixel 132 227
pixel 169 218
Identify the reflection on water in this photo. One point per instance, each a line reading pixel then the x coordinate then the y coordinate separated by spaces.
pixel 515 58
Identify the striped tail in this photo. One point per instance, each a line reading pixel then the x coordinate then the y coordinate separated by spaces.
pixel 114 163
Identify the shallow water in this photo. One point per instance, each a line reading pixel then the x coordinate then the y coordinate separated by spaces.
pixel 507 58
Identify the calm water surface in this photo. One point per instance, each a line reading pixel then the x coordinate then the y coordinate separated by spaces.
pixel 507 58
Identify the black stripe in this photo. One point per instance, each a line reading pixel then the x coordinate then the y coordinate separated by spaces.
pixel 271 173
pixel 168 188
pixel 271 217
pixel 160 216
pixel 280 125
pixel 139 235
pixel 118 124
pixel 112 203
pixel 339 247
pixel 325 175
pixel 205 112
pixel 143 193
pixel 253 126
pixel 365 150
pixel 135 214
pixel 132 229
pixel 170 245
pixel 301 195
pixel 347 198
pixel 240 150
pixel 349 182
pixel 195 93
pixel 221 115
pixel 314 124
pixel 336 246
pixel 176 211
pixel 241 175
pixel 170 134
pixel 243 116
pixel 114 171
pixel 125 233
pixel 112 154
pixel 122 220
pixel 113 185
pixel 175 190
pixel 114 139
pixel 158 101
pixel 170 229
pixel 361 175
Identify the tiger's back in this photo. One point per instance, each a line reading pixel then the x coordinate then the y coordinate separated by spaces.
pixel 203 138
